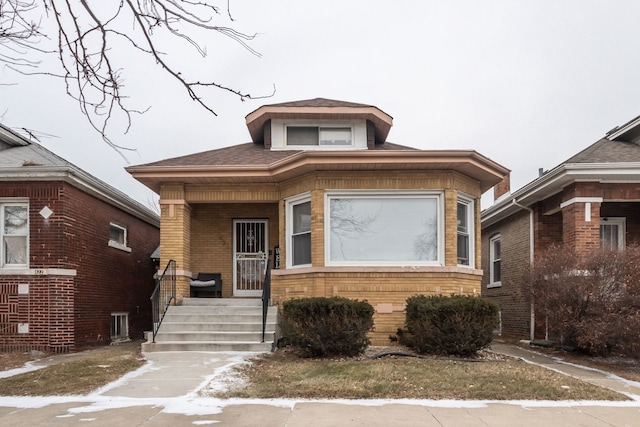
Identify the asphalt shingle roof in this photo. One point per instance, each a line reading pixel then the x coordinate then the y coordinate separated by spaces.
pixel 607 151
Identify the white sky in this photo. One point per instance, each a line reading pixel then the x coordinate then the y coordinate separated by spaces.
pixel 526 83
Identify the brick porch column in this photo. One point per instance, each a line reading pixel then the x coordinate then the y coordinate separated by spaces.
pixel 581 224
pixel 175 238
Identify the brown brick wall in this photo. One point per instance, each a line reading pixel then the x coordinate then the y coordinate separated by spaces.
pixel 510 296
pixel 47 308
pixel 65 311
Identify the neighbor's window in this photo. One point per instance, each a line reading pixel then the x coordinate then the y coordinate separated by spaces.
pixel 119 325
pixel 495 258
pixel 15 234
pixel 299 231
pixel 465 232
pixel 319 136
pixel 118 237
pixel 612 231
pixel 388 229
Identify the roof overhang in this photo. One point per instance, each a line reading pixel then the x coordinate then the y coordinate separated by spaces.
pixel 470 163
pixel 555 181
pixel 83 181
pixel 256 120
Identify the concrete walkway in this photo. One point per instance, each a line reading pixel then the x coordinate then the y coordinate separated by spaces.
pixel 166 393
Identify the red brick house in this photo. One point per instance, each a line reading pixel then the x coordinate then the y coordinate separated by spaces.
pixel 75 267
pixel 589 201
pixel 345 212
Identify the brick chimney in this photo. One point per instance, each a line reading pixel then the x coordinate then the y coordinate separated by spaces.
pixel 503 187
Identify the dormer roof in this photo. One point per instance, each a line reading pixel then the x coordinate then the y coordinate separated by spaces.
pixel 319 109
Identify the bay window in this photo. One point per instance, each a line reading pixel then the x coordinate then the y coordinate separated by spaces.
pixel 465 232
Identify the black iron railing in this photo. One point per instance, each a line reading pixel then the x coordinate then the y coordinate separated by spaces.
pixel 163 295
pixel 266 297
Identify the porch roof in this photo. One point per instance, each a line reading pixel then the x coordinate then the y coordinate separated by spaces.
pixel 251 163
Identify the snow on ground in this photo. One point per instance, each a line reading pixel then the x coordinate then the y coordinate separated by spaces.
pixel 224 376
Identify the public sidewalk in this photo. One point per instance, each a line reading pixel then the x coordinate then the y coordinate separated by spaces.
pixel 166 393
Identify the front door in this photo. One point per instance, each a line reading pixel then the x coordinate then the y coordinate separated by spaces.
pixel 250 253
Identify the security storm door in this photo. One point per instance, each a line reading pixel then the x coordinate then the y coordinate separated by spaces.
pixel 250 249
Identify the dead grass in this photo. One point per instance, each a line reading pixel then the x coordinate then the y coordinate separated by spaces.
pixel 81 374
pixel 284 375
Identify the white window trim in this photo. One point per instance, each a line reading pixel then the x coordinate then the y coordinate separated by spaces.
pixel 621 222
pixel 469 201
pixel 289 204
pixel 118 245
pixel 438 195
pixel 125 335
pixel 492 240
pixel 14 202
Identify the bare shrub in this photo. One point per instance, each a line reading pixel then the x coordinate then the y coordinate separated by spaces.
pixel 591 303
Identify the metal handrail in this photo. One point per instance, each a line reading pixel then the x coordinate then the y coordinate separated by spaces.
pixel 163 295
pixel 266 297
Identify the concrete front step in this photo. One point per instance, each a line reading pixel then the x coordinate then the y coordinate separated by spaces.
pixel 207 346
pixel 225 336
pixel 221 302
pixel 215 324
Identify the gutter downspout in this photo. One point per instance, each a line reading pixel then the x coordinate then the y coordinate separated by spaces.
pixel 531 257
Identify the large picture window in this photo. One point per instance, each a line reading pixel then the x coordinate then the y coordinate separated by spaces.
pixel 15 233
pixel 299 231
pixel 387 229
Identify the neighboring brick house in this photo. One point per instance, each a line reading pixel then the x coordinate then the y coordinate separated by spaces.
pixel 75 267
pixel 591 200
pixel 345 212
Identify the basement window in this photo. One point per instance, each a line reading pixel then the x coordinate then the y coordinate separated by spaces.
pixel 119 326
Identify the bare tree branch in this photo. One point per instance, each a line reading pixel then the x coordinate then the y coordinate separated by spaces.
pixel 89 38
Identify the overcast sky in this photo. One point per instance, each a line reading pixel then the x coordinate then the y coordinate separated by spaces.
pixel 525 83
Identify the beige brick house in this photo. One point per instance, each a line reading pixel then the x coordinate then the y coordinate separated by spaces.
pixel 587 202
pixel 342 211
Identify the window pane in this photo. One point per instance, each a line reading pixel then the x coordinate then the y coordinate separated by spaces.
pixel 496 271
pixel 302 217
pixel 301 249
pixel 383 229
pixel 496 250
pixel 335 136
pixel 463 225
pixel 16 220
pixel 609 236
pixel 116 234
pixel 15 249
pixel 300 135
pixel 463 249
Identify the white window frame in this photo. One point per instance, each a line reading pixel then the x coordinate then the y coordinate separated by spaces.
pixel 470 233
pixel 621 223
pixel 290 203
pixel 438 196
pixel 320 126
pixel 3 255
pixel 492 260
pixel 114 243
pixel 122 325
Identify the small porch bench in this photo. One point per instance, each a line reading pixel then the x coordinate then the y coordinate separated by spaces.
pixel 206 283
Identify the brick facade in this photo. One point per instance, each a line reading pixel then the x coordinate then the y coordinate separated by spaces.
pixel 74 280
pixel 204 215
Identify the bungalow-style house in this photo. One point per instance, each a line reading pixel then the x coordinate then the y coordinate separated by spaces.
pixel 75 267
pixel 342 211
pixel 587 202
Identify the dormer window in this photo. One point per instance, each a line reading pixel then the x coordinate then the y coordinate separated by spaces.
pixel 319 136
